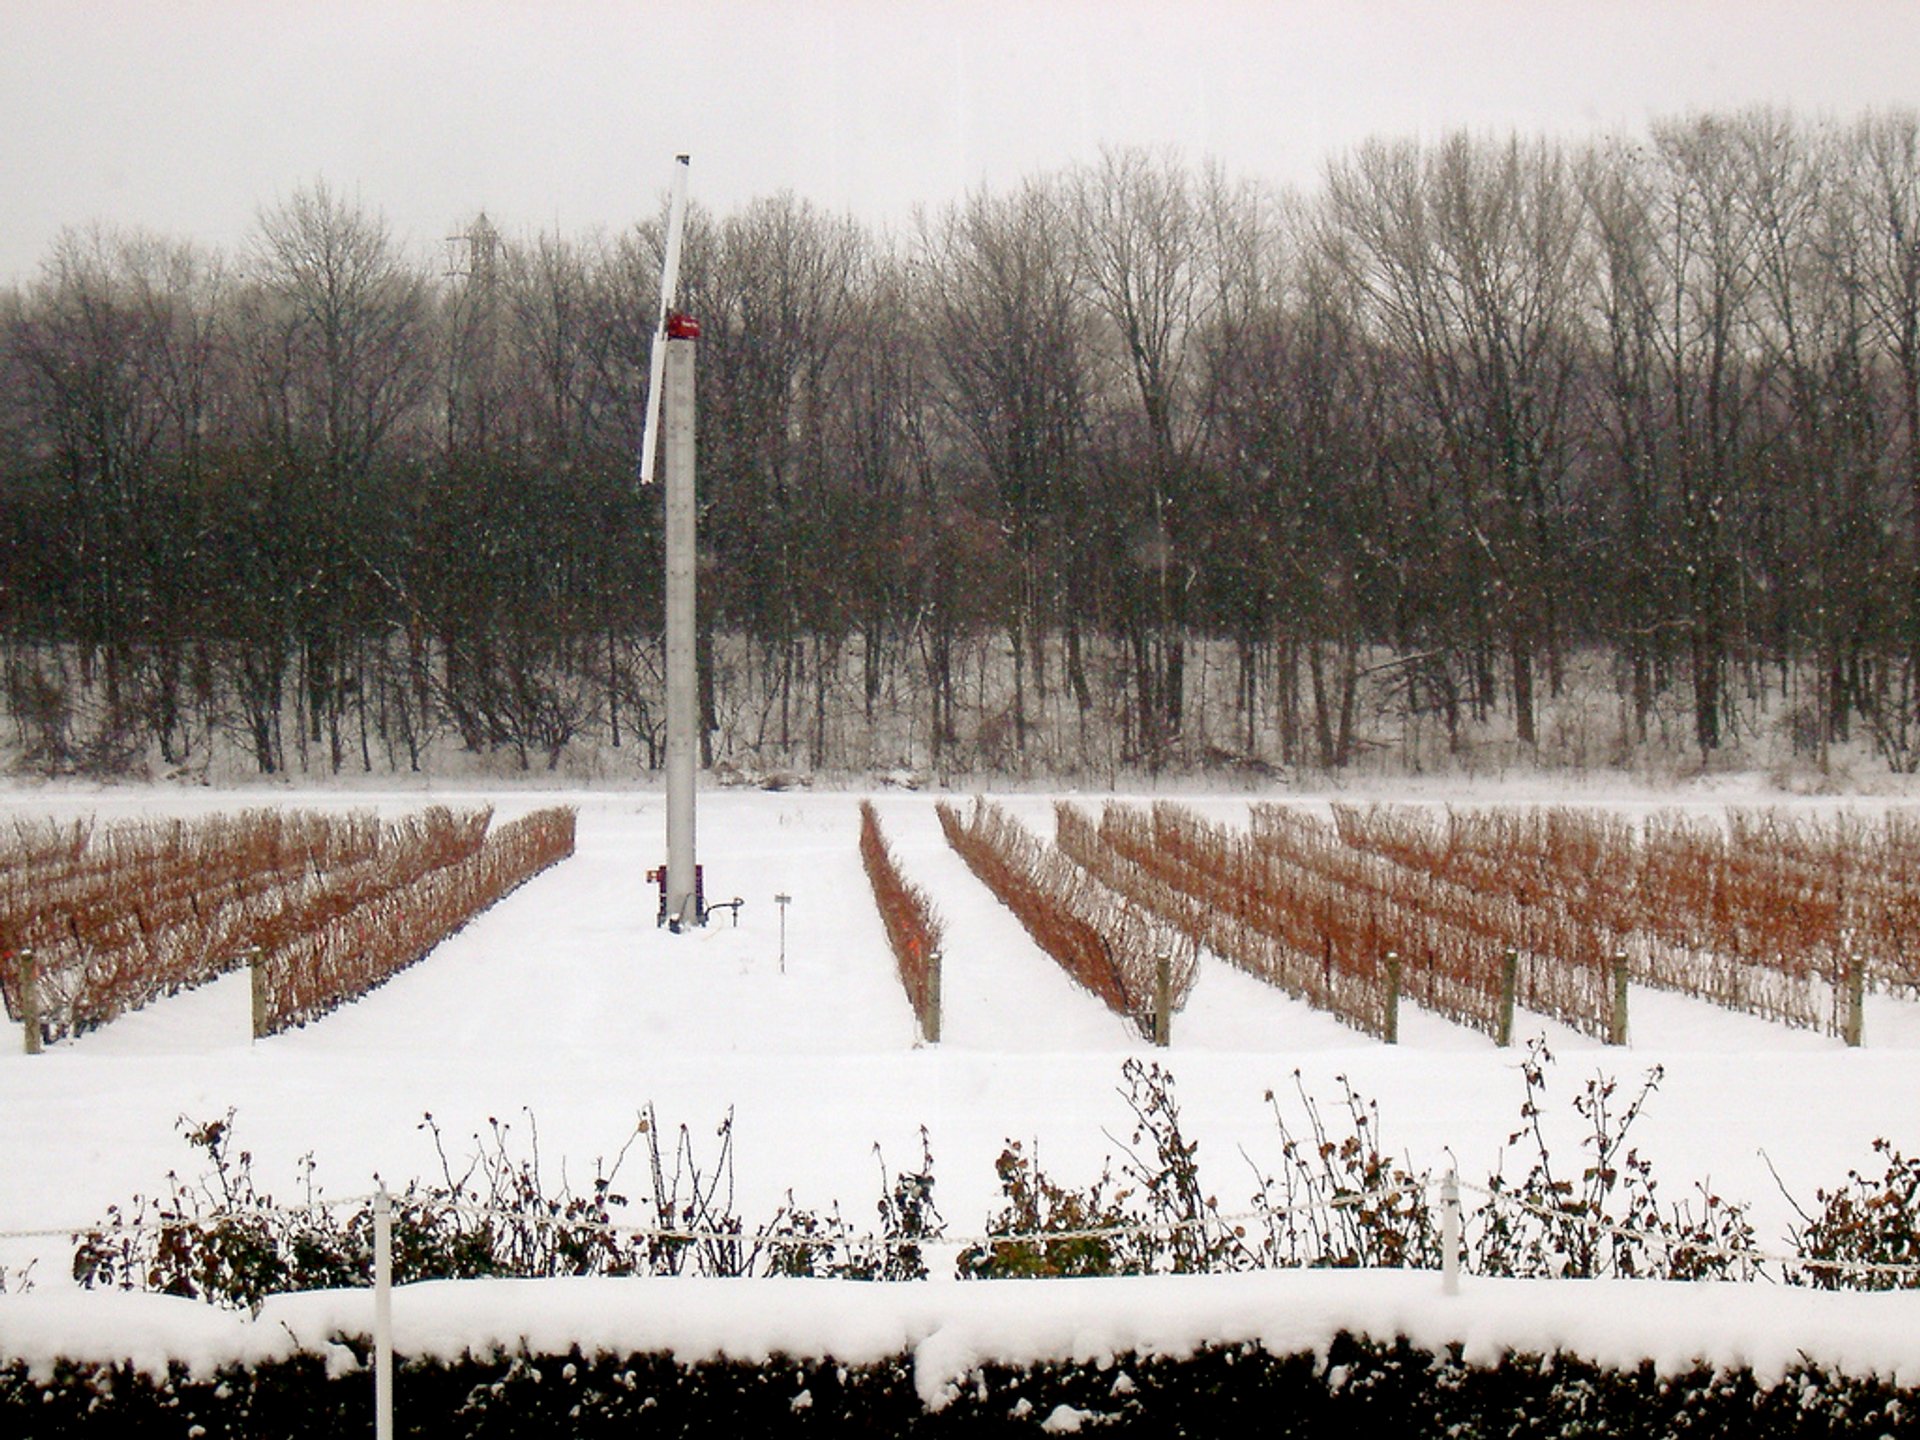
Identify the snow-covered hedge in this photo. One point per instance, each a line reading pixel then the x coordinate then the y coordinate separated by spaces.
pixel 1288 1353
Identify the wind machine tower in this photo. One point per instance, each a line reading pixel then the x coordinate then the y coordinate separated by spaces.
pixel 670 388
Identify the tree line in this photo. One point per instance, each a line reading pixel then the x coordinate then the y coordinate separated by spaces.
pixel 1413 445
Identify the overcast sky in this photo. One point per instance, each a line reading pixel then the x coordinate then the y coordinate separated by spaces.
pixel 187 118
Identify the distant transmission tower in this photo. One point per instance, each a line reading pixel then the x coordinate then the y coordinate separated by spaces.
pixel 473 261
pixel 474 253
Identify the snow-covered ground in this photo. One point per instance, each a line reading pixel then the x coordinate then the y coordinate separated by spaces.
pixel 566 1008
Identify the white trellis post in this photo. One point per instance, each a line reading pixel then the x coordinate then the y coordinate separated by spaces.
pixel 783 900
pixel 1450 1234
pixel 382 1315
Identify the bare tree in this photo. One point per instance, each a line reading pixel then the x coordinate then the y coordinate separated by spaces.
pixel 115 351
pixel 1819 555
pixel 774 317
pixel 1625 405
pixel 334 333
pixel 1470 256
pixel 549 295
pixel 1143 262
pixel 1705 270
pixel 1006 326
pixel 346 313
pixel 880 431
pixel 1299 446
pixel 1884 178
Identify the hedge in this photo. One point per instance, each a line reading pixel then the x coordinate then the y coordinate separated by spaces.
pixel 1358 1386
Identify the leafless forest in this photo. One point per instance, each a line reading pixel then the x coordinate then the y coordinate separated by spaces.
pixel 1587 453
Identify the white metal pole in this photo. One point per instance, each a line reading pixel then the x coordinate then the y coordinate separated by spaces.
pixel 1450 1234
pixel 682 685
pixel 382 1316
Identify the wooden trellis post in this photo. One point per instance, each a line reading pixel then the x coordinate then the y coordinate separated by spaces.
pixel 1617 1021
pixel 1390 1030
pixel 29 974
pixel 1163 1000
pixel 1509 983
pixel 1856 1001
pixel 257 984
pixel 930 1025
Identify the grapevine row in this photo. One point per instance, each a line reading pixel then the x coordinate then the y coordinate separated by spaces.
pixel 141 935
pixel 1233 921
pixel 913 930
pixel 1716 912
pixel 318 969
pixel 1453 949
pixel 1109 945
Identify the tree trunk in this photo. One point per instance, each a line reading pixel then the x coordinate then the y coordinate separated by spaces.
pixel 1707 679
pixel 1322 704
pixel 1077 670
pixel 1289 701
pixel 1018 641
pixel 1521 654
pixel 613 688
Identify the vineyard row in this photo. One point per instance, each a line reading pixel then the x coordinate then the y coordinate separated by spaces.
pixel 107 921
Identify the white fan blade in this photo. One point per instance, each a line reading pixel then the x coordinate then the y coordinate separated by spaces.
pixel 669 284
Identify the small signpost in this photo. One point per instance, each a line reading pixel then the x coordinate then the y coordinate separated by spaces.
pixel 783 900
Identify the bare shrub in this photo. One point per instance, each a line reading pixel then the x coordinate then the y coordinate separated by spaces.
pixel 223 1238
pixel 1865 1234
pixel 1155 1217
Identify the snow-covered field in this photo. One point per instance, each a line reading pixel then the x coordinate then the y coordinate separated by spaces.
pixel 566 1008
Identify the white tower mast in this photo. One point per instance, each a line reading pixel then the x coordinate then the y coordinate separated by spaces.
pixel 672 377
